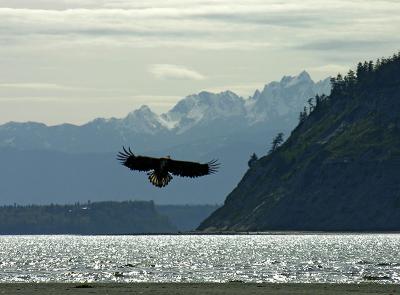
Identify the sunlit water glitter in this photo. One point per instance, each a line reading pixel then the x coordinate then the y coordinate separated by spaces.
pixel 321 258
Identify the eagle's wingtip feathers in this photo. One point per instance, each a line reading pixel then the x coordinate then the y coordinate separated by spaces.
pixel 213 166
pixel 128 152
pixel 123 156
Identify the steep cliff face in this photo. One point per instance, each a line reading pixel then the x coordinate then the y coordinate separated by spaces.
pixel 339 169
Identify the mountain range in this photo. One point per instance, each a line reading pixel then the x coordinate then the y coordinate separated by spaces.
pixel 69 163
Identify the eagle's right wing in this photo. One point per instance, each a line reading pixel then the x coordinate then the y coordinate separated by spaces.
pixel 192 169
pixel 140 163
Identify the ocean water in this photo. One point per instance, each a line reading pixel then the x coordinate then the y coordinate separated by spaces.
pixel 332 258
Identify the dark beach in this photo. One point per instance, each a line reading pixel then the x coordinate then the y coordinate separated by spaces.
pixel 196 288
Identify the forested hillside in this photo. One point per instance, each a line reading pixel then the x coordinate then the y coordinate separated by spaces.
pixel 339 169
pixel 91 218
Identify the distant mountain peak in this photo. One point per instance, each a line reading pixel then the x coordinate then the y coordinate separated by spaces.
pixel 304 75
pixel 229 93
pixel 202 94
pixel 144 109
pixel 283 98
pixel 290 81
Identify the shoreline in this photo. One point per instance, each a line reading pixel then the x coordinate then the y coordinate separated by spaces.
pixel 234 288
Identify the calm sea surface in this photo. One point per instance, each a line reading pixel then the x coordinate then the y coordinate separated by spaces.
pixel 249 258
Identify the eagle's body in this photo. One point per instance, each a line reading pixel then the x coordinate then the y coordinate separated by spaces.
pixel 159 170
pixel 160 177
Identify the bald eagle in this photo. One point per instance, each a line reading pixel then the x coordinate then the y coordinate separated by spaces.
pixel 160 169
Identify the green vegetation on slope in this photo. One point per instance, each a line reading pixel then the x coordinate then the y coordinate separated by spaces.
pixel 339 169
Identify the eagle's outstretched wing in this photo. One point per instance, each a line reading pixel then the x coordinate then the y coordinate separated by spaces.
pixel 140 163
pixel 192 169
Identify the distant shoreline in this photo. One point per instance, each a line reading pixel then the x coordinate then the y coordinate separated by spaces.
pixel 196 288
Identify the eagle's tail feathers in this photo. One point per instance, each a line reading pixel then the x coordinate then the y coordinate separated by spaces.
pixel 158 180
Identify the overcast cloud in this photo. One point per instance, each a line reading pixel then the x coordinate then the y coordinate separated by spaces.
pixel 83 50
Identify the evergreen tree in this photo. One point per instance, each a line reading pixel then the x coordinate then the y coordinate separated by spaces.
pixel 253 160
pixel 362 69
pixel 337 84
pixel 371 66
pixel 319 99
pixel 303 115
pixel 351 77
pixel 333 82
pixel 278 140
pixel 350 81
pixel 311 105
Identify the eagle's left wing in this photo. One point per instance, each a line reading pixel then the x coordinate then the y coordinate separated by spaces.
pixel 139 163
pixel 192 169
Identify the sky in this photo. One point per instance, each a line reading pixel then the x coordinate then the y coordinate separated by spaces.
pixel 75 60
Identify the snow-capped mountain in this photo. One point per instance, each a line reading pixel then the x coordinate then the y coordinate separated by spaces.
pixel 277 100
pixel 203 107
pixel 142 120
pixel 190 119
pixel 280 100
